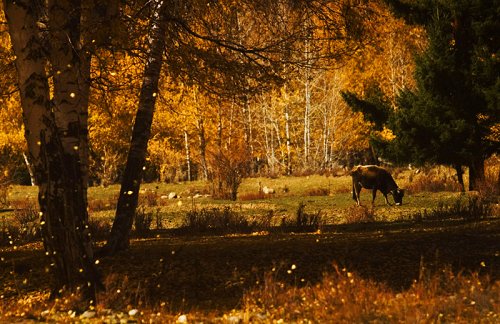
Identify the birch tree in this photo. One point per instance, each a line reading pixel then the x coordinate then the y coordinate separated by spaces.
pixel 52 34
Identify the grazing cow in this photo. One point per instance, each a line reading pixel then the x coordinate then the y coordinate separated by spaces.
pixel 375 178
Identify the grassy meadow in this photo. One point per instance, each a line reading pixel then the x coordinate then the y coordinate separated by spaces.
pixel 305 254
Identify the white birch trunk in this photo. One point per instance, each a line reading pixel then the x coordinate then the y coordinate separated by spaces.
pixel 188 155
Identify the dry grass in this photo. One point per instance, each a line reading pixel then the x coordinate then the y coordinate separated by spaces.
pixel 318 192
pixel 359 214
pixel 210 278
pixel 432 180
pixel 266 278
pixel 346 297
pixel 253 196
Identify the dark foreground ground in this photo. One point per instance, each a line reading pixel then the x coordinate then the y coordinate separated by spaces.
pixel 212 272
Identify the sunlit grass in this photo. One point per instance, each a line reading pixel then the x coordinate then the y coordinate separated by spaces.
pixel 290 192
pixel 343 296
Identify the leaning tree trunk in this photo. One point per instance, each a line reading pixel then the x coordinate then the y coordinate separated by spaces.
pixel 132 177
pixel 54 141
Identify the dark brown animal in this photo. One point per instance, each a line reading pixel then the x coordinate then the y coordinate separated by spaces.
pixel 375 178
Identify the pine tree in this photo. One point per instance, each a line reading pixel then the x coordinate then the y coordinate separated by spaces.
pixel 451 116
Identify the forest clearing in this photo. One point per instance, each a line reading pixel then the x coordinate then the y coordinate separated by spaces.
pixel 212 160
pixel 437 265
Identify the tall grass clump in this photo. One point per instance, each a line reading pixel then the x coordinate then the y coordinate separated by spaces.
pixel 303 222
pixel 307 221
pixel 23 227
pixel 489 188
pixel 4 194
pixel 142 221
pixel 99 228
pixel 433 180
pixel 472 208
pixel 345 297
pixel 215 220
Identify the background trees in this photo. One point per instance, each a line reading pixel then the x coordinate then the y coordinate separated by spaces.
pixel 246 75
pixel 336 135
pixel 451 116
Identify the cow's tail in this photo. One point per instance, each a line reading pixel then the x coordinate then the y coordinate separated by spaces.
pixel 354 174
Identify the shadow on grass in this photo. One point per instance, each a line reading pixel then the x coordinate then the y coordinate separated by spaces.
pixel 210 272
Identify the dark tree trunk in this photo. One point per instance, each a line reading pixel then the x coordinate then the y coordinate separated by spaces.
pixel 460 177
pixel 132 177
pixel 476 173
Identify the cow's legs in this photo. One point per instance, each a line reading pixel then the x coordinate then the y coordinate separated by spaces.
pixel 387 200
pixel 374 194
pixel 356 189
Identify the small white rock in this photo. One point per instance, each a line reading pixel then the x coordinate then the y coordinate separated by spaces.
pixel 267 190
pixel 133 312
pixel 182 319
pixel 88 314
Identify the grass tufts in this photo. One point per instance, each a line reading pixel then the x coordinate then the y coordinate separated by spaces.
pixel 142 221
pixel 303 222
pixel 24 227
pixel 346 297
pixel 215 220
pixel 473 208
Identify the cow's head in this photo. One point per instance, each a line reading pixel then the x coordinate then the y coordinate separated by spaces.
pixel 398 196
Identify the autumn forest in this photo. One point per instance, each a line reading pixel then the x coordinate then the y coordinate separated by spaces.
pixel 124 93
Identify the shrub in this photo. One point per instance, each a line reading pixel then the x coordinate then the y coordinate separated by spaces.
pixel 489 188
pixel 216 220
pixel 95 205
pixel 149 198
pixel 24 226
pixel 27 220
pixel 228 171
pixel 307 220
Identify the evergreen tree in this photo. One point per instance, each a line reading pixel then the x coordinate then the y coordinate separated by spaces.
pixel 451 116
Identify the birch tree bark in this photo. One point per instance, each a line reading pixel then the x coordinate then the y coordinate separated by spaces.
pixel 288 143
pixel 203 146
pixel 188 155
pixel 132 177
pixel 54 134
